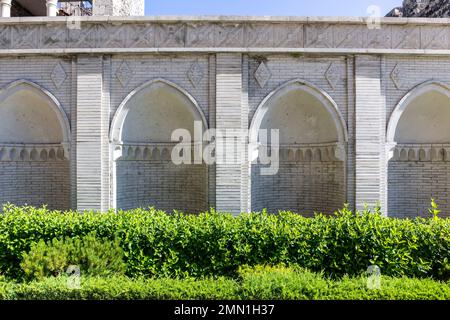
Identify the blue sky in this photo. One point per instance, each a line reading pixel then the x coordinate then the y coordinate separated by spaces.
pixel 268 7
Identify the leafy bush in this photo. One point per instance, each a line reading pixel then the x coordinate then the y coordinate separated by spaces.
pixel 93 256
pixel 211 244
pixel 402 288
pixel 260 283
pixel 6 289
pixel 122 288
pixel 269 283
pixel 284 283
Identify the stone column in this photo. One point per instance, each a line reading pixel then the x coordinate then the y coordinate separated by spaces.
pixel 5 8
pixel 370 133
pixel 92 153
pixel 52 8
pixel 231 120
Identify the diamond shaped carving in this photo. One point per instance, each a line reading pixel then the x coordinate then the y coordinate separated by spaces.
pixel 195 73
pixel 262 75
pixel 58 75
pixel 124 74
pixel 396 76
pixel 406 38
pixel 229 35
pixel 332 75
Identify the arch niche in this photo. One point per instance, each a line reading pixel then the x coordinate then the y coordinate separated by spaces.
pixel 312 139
pixel 418 139
pixel 34 141
pixel 144 173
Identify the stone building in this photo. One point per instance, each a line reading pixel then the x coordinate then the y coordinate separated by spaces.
pixel 88 105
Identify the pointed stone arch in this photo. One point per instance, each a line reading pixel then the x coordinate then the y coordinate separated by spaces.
pixel 34 147
pixel 141 148
pixel 44 94
pixel 117 123
pixel 312 127
pixel 418 137
pixel 405 102
pixel 305 86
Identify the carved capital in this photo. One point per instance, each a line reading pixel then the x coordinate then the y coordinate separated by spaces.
pixel 339 152
pixel 390 150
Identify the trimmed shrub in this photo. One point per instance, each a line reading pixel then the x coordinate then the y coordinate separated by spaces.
pixel 93 256
pixel 260 283
pixel 402 288
pixel 269 283
pixel 122 288
pixel 284 283
pixel 211 244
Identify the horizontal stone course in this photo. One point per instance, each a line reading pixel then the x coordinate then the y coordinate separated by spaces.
pixel 346 34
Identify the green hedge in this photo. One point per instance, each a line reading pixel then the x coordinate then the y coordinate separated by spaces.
pixel 94 257
pixel 267 283
pixel 212 244
pixel 261 283
pixel 120 288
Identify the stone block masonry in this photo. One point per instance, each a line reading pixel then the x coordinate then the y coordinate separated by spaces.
pixel 91 135
pixel 370 132
pixel 86 114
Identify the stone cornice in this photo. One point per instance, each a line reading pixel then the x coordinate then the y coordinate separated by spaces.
pixel 109 35
pixel 225 18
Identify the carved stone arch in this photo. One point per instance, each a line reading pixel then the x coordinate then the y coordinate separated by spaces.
pixel 142 149
pixel 309 121
pixel 43 93
pixel 308 87
pixel 403 104
pixel 125 106
pixel 417 138
pixel 34 136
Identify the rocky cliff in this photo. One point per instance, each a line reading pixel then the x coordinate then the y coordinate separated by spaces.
pixel 422 8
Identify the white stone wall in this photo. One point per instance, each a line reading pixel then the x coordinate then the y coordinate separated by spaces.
pixel 304 187
pixel 412 183
pixel 36 183
pixel 315 70
pixel 302 184
pixel 129 72
pixel 146 182
pixel 33 168
pixel 230 68
pixel 163 185
pixel 51 73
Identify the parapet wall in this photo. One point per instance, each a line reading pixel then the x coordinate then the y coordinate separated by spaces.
pixel 218 34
